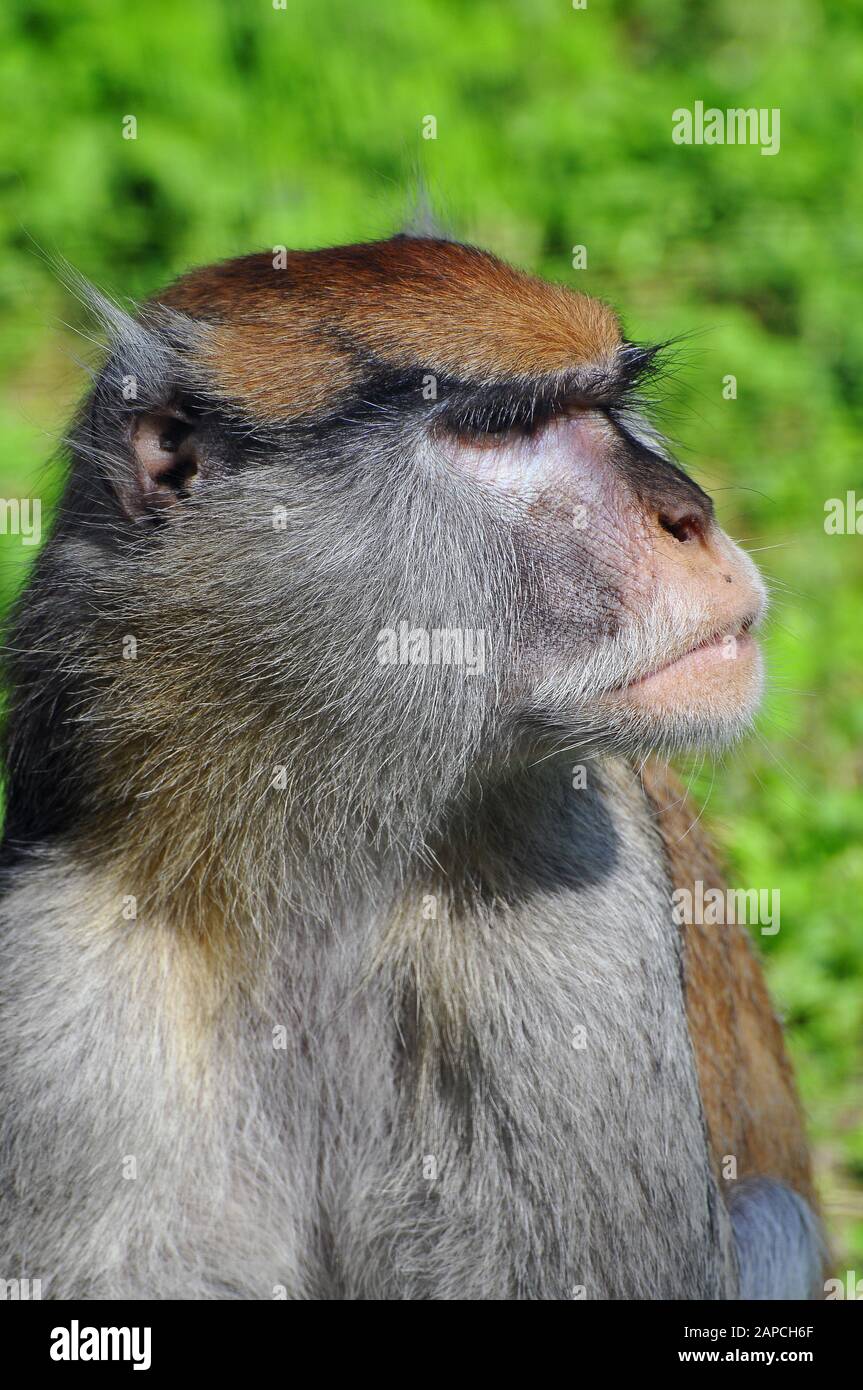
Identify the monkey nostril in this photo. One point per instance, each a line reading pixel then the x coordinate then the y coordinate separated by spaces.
pixel 686 526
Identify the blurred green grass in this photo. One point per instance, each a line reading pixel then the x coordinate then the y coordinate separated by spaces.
pixel 259 127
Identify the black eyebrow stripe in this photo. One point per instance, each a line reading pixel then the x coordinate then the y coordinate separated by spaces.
pixel 531 400
pixel 387 394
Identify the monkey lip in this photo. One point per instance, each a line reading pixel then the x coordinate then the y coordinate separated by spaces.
pixel 706 658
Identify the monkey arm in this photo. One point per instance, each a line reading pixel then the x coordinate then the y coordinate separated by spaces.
pixel 750 1102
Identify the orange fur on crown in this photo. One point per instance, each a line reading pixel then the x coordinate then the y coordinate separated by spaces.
pixel 747 1088
pixel 291 342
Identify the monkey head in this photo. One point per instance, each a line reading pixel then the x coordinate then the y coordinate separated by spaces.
pixel 483 426
pixel 391 510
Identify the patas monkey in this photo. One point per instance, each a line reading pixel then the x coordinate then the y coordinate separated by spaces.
pixel 340 959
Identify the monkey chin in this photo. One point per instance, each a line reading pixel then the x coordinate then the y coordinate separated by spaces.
pixel 704 700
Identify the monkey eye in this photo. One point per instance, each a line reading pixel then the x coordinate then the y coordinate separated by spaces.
pixel 491 434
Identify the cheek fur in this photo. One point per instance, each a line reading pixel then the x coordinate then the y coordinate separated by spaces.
pixel 575 524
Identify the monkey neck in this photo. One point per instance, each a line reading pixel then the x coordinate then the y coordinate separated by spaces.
pixel 509 833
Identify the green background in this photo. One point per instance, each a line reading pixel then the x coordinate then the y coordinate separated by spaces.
pixel 259 127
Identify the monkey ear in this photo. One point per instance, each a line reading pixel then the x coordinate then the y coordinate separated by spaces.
pixel 167 460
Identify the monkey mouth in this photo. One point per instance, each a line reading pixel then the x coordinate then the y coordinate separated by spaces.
pixel 725 647
pixel 712 656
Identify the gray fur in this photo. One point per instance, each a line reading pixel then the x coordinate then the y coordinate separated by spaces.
pixel 780 1245
pixel 559 1167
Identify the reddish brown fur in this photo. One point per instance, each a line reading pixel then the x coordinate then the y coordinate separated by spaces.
pixel 746 1083
pixel 290 342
